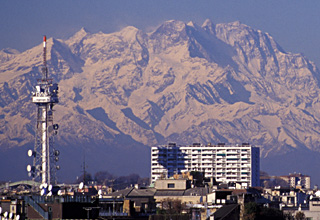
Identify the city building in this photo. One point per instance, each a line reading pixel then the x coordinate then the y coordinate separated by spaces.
pixel 293 180
pixel 226 163
pixel 297 180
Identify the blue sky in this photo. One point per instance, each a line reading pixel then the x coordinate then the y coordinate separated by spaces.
pixel 293 23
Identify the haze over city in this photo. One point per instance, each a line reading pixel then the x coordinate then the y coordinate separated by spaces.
pixel 145 109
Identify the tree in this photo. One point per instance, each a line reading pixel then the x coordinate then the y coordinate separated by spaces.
pixel 144 181
pixel 263 174
pixel 275 182
pixel 172 206
pixel 108 179
pixel 288 215
pixel 85 179
pixel 300 216
pixel 254 211
pixel 251 210
pixel 198 178
pixel 102 177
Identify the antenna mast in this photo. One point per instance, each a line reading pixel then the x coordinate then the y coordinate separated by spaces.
pixel 44 68
pixel 84 169
pixel 85 181
pixel 44 155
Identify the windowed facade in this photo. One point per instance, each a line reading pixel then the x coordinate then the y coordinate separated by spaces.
pixel 227 163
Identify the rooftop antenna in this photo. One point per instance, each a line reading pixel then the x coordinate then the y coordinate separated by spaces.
pixel 44 154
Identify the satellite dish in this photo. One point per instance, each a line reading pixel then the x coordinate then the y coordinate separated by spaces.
pixel 31 153
pixel 59 192
pixel 56 153
pixel 56 158
pixel 0 210
pixel 100 193
pixel 43 191
pixel 45 185
pixel 58 167
pixel 55 126
pixel 50 193
pixel 50 187
pixel 30 168
pixel 41 186
pixel 17 217
pixel 81 185
pixel 5 214
pixel 10 215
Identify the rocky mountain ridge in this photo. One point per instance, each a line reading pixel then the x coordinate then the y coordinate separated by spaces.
pixel 184 83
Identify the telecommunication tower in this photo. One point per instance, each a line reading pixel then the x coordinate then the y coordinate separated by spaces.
pixel 44 154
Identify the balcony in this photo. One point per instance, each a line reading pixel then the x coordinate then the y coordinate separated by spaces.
pixel 157 167
pixel 206 152
pixel 206 166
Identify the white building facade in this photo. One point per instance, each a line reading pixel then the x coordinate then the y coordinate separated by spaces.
pixel 226 163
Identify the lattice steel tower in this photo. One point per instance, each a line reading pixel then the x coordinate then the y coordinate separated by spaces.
pixel 44 155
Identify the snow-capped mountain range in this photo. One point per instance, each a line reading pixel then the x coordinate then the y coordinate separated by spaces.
pixel 122 92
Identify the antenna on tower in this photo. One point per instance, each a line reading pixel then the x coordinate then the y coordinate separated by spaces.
pixel 44 68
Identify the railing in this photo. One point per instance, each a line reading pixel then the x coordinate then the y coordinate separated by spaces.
pixel 111 213
pixel 29 200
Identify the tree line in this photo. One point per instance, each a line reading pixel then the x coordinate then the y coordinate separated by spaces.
pixel 114 181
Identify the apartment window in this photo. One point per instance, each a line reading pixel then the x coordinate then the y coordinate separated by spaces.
pixel 170 185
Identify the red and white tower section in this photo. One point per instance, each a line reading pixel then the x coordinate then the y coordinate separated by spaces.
pixel 44 154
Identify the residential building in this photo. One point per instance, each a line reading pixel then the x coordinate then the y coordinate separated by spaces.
pixel 172 184
pixel 297 180
pixel 131 202
pixel 66 207
pixel 226 163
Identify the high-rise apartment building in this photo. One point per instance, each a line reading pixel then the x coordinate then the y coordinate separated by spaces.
pixel 226 163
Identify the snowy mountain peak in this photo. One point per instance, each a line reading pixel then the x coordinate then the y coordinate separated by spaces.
pixel 7 54
pixel 209 26
pixel 191 24
pixel 10 51
pixel 170 27
pixel 78 36
pixel 183 83
pixel 207 23
pixel 129 33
